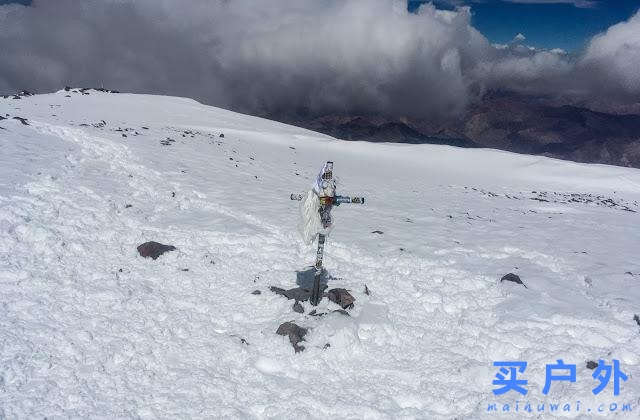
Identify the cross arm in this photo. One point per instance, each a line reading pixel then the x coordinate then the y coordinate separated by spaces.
pixel 338 199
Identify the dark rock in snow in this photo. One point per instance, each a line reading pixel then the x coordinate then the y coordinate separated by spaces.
pixel 342 297
pixel 242 340
pixel 637 319
pixel 221 136
pixel 208 259
pixel 297 293
pixel 296 334
pixel 297 307
pixel 337 311
pixel 305 280
pixel 366 290
pixel 591 365
pixel 379 232
pixel 22 120
pixel 256 292
pixel 154 249
pixel 513 278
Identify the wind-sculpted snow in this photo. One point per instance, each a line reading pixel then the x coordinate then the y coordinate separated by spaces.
pixel 91 329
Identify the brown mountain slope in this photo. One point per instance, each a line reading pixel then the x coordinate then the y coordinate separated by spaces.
pixel 507 122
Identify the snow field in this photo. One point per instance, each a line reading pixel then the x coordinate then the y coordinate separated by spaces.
pixel 91 329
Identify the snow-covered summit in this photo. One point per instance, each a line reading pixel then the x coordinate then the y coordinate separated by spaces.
pixel 91 329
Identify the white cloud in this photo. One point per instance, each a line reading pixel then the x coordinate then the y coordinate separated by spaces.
pixel 365 55
pixel 320 56
pixel 558 51
pixel 614 56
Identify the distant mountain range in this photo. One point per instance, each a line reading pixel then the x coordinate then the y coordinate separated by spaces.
pixel 502 121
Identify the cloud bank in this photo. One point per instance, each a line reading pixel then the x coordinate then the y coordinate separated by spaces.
pixel 330 56
pixel 614 56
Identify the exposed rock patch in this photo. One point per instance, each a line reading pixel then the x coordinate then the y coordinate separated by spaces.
pixel 154 249
pixel 297 293
pixel 341 312
pixel 513 278
pixel 554 197
pixel 342 297
pixel 22 120
pixel 338 311
pixel 294 332
pixel 87 91
pixel 19 95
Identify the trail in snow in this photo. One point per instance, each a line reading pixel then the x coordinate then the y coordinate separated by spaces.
pixel 91 329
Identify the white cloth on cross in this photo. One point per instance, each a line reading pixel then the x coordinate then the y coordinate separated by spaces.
pixel 310 224
pixel 325 187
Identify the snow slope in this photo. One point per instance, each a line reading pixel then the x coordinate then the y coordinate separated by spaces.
pixel 88 328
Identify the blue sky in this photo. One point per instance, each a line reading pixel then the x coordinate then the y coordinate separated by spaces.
pixel 566 24
pixel 545 23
